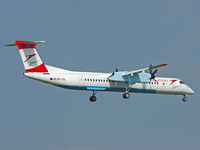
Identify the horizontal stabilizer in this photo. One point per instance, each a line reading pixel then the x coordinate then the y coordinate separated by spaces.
pixel 28 42
pixel 10 45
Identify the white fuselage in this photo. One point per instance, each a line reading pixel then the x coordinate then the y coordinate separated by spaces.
pixel 99 82
pixel 138 81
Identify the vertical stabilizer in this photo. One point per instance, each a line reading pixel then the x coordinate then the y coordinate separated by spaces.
pixel 30 57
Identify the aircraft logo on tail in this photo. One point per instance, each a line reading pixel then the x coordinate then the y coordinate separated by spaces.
pixel 29 56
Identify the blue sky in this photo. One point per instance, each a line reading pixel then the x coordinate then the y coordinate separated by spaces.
pixel 94 35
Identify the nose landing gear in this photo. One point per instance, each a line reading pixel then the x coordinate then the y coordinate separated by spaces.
pixel 93 98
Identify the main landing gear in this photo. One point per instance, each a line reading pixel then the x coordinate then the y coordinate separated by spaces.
pixel 93 98
pixel 126 95
pixel 184 98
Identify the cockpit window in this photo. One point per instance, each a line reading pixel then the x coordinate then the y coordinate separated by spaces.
pixel 181 82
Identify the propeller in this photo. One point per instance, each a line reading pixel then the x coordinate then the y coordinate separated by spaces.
pixel 153 73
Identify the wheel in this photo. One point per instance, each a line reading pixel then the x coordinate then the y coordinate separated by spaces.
pixel 93 98
pixel 126 95
pixel 184 99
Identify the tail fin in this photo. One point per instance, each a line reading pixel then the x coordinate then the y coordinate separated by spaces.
pixel 30 57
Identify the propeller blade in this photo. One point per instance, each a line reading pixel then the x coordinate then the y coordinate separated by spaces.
pixel 151 69
pixel 116 70
pixel 155 80
pixel 152 76
pixel 154 72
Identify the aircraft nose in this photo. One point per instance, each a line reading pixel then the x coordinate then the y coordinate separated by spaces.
pixel 189 91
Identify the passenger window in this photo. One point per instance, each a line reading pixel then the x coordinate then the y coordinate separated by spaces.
pixel 181 82
pixel 90 79
pixel 99 80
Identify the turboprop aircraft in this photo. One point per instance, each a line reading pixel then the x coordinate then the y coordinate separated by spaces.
pixel 138 81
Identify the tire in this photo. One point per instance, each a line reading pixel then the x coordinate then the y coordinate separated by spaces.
pixel 93 98
pixel 126 95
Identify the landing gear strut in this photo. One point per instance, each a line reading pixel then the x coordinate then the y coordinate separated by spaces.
pixel 184 98
pixel 126 95
pixel 93 98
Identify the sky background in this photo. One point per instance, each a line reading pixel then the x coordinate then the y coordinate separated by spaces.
pixel 99 35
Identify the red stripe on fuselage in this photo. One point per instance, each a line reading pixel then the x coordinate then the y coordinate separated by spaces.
pixel 40 68
pixel 25 44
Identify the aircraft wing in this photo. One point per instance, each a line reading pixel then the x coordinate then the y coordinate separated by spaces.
pixel 144 69
pixel 132 77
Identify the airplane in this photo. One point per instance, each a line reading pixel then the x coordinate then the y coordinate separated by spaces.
pixel 137 81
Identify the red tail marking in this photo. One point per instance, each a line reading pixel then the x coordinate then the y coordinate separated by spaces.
pixel 25 44
pixel 40 68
